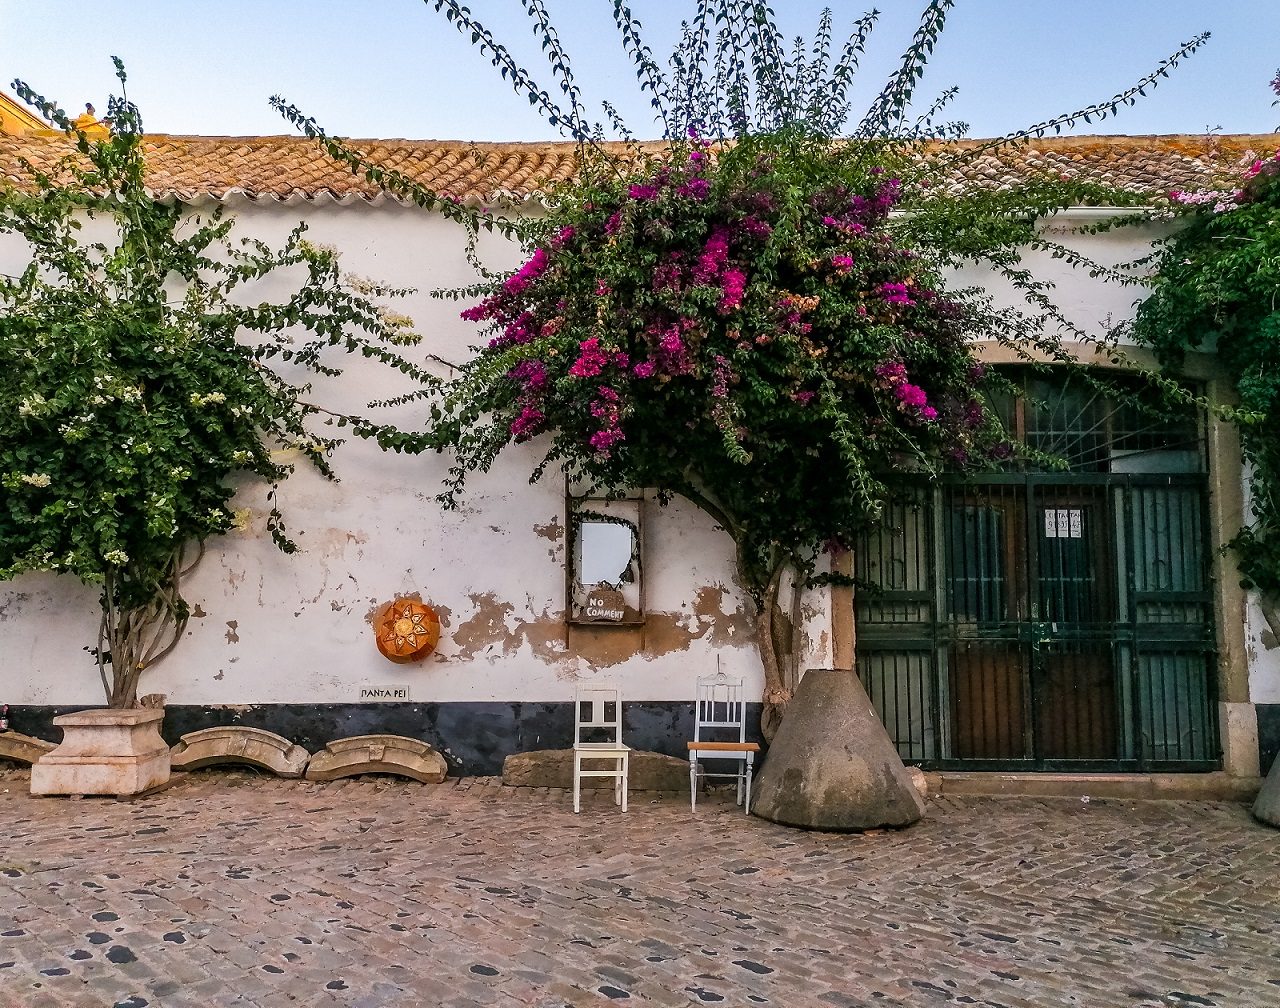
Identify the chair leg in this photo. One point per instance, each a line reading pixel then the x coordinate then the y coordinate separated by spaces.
pixel 577 783
pixel 746 808
pixel 625 774
pixel 741 777
pixel 617 782
pixel 693 783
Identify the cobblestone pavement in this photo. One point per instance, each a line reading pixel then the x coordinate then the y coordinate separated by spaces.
pixel 233 889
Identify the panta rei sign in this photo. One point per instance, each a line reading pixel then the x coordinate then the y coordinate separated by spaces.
pixel 368 693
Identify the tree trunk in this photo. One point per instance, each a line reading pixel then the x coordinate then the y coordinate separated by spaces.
pixel 132 638
pixel 780 657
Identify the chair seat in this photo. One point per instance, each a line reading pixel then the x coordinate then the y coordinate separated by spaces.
pixel 724 746
pixel 601 747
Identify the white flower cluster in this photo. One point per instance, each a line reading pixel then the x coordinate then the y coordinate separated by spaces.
pixel 36 479
pixel 117 557
pixel 318 248
pixel 358 284
pixel 395 320
pixel 397 327
pixel 210 399
pixel 33 405
pixel 75 431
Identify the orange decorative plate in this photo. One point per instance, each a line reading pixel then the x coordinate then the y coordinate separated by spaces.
pixel 407 630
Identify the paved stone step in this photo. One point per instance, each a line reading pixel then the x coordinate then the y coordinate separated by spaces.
pixel 1178 787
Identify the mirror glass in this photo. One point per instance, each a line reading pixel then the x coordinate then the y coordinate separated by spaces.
pixel 605 550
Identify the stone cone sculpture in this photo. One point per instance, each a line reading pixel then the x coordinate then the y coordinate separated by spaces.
pixel 831 765
pixel 1267 806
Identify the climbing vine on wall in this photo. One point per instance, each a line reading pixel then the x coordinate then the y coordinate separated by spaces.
pixel 1216 288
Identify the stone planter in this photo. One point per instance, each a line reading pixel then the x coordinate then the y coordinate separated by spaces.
pixel 832 765
pixel 104 752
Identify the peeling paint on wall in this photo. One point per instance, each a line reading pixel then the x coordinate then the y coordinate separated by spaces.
pixel 727 629
pixel 486 628
pixel 667 633
pixel 552 531
pixel 233 637
pixel 1269 605
pixel 493 631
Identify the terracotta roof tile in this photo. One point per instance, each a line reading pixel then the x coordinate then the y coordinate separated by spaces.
pixel 284 168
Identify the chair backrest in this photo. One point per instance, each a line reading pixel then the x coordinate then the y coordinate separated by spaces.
pixel 719 709
pixel 597 712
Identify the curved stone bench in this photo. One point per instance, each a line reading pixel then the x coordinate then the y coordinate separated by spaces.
pixel 386 754
pixel 23 748
pixel 236 744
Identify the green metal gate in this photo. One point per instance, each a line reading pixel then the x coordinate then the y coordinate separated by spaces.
pixel 1044 621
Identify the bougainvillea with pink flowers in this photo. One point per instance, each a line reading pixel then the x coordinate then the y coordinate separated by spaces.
pixel 722 326
pixel 758 323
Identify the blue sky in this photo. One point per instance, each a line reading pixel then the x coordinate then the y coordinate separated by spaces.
pixel 395 68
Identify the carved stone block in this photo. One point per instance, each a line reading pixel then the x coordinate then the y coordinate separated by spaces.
pixel 388 754
pixel 238 744
pixel 23 748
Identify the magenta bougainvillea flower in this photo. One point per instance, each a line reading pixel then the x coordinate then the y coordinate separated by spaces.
pixel 591 359
pixel 708 292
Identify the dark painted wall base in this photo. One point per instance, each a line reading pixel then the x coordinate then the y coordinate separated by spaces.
pixel 473 737
pixel 1268 734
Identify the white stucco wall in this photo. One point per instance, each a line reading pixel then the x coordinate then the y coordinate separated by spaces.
pixel 1093 305
pixel 272 628
pixel 275 628
pixel 1262 635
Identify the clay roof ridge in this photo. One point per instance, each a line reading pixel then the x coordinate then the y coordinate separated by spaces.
pixel 283 167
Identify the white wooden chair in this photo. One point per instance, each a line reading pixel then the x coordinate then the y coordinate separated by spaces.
pixel 720 733
pixel 597 738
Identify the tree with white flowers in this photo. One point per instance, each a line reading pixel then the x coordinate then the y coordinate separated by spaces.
pixel 134 384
